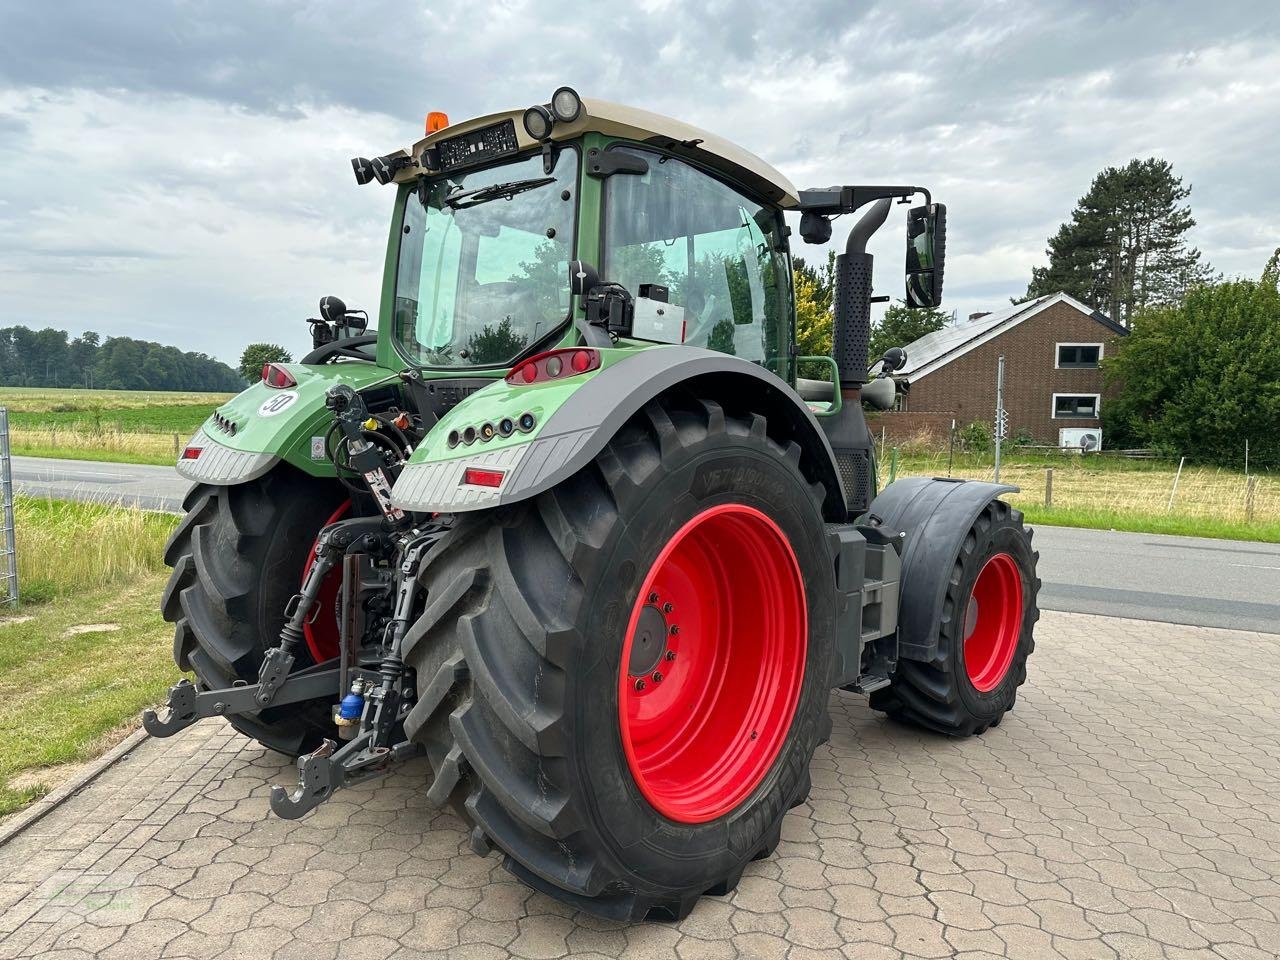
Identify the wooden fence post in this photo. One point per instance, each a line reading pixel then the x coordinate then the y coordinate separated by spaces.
pixel 1250 487
pixel 176 447
pixel 1048 487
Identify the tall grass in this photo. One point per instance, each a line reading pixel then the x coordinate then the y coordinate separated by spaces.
pixel 70 548
pixel 122 447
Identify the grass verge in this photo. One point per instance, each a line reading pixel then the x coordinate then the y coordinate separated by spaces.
pixel 1147 523
pixel 87 649
pixel 73 677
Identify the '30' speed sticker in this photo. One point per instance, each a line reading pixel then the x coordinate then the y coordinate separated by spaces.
pixel 277 404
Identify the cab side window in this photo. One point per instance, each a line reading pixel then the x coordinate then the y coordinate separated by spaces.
pixel 718 252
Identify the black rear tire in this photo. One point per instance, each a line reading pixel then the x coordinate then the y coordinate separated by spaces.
pixel 517 659
pixel 237 558
pixel 939 694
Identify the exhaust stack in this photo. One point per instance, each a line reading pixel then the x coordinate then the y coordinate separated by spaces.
pixel 850 342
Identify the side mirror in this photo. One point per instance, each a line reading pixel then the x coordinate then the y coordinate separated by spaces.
pixel 895 358
pixel 926 251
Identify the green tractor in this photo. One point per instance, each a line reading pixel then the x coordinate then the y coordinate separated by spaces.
pixel 571 527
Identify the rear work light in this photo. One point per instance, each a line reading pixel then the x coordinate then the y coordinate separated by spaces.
pixel 474 476
pixel 274 375
pixel 555 365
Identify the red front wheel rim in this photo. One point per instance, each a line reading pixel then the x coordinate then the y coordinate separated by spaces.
pixel 321 630
pixel 713 663
pixel 993 622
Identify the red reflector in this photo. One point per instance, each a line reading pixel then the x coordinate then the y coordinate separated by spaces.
pixel 483 478
pixel 190 453
pixel 274 375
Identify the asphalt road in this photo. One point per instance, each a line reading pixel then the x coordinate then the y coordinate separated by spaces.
pixel 1212 583
pixel 149 487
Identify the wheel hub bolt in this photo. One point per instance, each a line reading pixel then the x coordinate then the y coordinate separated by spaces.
pixel 640 684
pixel 657 677
pixel 653 597
pixel 666 607
pixel 675 630
pixel 671 654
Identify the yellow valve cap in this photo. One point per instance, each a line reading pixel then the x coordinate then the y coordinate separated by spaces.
pixel 371 424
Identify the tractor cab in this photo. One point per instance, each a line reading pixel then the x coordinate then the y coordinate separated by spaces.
pixel 490 213
pixel 676 237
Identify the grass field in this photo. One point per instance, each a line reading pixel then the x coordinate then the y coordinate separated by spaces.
pixel 87 649
pixel 121 425
pixel 1118 493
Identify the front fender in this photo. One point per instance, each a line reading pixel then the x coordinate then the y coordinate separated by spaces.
pixel 259 427
pixel 575 418
pixel 934 515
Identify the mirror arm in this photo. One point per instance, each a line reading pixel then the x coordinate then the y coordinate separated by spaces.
pixel 832 201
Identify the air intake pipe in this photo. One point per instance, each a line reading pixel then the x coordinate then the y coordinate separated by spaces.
pixel 850 341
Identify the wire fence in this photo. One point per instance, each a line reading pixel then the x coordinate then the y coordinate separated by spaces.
pixel 1148 487
pixel 8 540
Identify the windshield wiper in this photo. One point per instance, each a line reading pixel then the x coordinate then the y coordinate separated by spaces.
pixel 471 198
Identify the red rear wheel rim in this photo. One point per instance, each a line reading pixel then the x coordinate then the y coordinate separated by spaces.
pixel 713 663
pixel 993 622
pixel 321 632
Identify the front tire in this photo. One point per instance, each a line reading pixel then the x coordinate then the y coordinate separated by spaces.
pixel 532 641
pixel 984 637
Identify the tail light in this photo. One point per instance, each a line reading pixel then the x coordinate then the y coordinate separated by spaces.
pixel 483 478
pixel 274 375
pixel 192 453
pixel 555 365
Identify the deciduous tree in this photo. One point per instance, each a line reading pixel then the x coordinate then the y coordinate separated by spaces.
pixel 1202 377
pixel 257 354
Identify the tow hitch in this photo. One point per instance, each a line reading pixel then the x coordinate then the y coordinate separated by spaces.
pixel 187 704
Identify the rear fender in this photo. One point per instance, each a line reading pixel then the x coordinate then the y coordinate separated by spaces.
pixel 259 427
pixel 576 416
pixel 934 514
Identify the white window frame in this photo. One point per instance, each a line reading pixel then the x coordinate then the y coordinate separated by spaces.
pixel 1057 357
pixel 1097 406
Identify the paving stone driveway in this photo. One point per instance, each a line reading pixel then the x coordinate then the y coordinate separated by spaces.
pixel 1129 807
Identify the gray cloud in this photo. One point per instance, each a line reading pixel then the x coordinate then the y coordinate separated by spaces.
pixel 178 170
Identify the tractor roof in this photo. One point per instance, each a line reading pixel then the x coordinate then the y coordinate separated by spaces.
pixel 616 120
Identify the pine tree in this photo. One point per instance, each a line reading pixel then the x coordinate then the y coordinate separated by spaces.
pixel 1125 246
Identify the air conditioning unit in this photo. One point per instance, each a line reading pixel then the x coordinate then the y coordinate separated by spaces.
pixel 1084 439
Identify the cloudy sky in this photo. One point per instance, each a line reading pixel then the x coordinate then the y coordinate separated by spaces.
pixel 178 171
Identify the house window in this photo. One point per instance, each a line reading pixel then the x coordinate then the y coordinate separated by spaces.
pixel 1071 406
pixel 1083 356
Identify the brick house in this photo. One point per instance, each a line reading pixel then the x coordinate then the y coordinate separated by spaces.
pixel 1052 382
